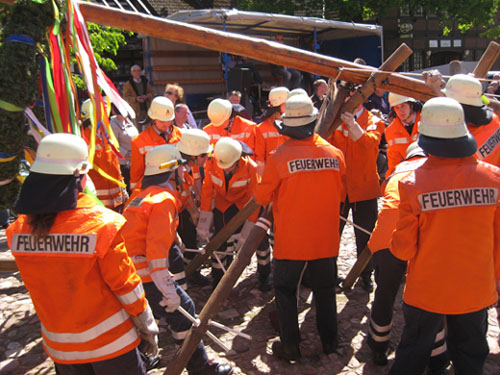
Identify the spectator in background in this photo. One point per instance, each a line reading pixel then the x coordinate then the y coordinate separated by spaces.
pixel 238 109
pixel 182 117
pixel 320 88
pixel 378 100
pixel 125 131
pixel 176 94
pixel 292 78
pixel 138 93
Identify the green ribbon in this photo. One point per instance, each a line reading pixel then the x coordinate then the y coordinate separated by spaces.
pixel 10 107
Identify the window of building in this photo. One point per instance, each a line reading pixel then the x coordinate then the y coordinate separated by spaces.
pixel 419 11
pixel 433 43
pixel 418 61
pixel 404 10
pixel 457 42
pixel 405 67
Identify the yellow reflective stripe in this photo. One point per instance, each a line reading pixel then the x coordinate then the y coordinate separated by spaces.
pixel 91 333
pixel 240 183
pixel 125 340
pixel 132 296
pixel 215 180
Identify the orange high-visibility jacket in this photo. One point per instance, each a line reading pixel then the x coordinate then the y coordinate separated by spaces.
pixel 241 130
pixel 267 138
pixel 240 188
pixel 398 140
pixel 362 179
pixel 449 232
pixel 141 144
pixel 82 283
pixel 152 219
pixel 303 179
pixel 108 192
pixel 488 141
pixel 389 213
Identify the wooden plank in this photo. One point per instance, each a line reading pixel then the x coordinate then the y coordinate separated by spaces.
pixel 255 48
pixel 357 268
pixel 181 53
pixel 175 68
pixel 489 57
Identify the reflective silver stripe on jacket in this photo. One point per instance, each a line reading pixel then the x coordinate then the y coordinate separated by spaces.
pixel 158 263
pixel 240 183
pixel 125 340
pixel 145 149
pixel 398 141
pixel 132 296
pixel 271 134
pixel 108 191
pixel 91 333
pixel 217 181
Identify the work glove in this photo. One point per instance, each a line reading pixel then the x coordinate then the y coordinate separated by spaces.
pixel 166 285
pixel 204 225
pixel 244 233
pixel 146 325
pixel 354 129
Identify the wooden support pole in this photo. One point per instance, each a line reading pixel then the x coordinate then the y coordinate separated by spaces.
pixel 357 268
pixel 489 57
pixel 375 80
pixel 8 265
pixel 258 49
pixel 222 236
pixel 220 294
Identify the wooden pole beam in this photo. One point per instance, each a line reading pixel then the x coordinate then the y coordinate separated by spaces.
pixel 357 268
pixel 375 80
pixel 222 236
pixel 255 48
pixel 220 294
pixel 8 265
pixel 489 57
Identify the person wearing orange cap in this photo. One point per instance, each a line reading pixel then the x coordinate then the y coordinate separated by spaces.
pixel 452 267
pixel 224 122
pixel 73 261
pixel 162 131
pixel 303 178
pixel 150 233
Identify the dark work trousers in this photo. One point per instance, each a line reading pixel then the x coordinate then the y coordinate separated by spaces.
pixel 179 325
pixel 187 231
pixel 389 272
pixel 176 265
pixel 364 214
pixel 465 339
pixel 129 363
pixel 323 276
pixel 263 251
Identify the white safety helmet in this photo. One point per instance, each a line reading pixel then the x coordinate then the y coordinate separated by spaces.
pixel 396 99
pixel 219 110
pixel 194 142
pixel 161 159
pixel 85 109
pixel 299 111
pixel 465 89
pixel 162 109
pixel 278 96
pixel 227 151
pixel 61 154
pixel 298 91
pixel 443 131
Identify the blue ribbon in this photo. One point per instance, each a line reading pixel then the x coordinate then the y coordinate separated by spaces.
pixel 21 39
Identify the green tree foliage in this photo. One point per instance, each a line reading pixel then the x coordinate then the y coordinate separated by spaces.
pixel 466 13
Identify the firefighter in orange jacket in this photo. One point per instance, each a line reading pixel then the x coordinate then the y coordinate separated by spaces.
pixel 225 123
pixel 358 138
pixel 73 261
pixel 109 192
pixel 162 131
pixel 403 130
pixel 230 180
pixel 482 122
pixel 150 232
pixel 452 267
pixel 389 271
pixel 267 137
pixel 303 178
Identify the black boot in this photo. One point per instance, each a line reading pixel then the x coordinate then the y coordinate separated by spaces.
pixel 198 279
pixel 265 283
pixel 286 352
pixel 367 283
pixel 213 368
